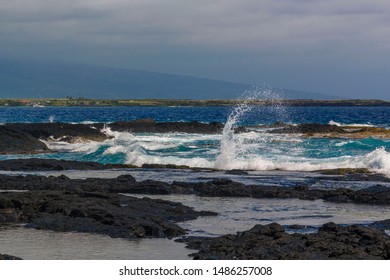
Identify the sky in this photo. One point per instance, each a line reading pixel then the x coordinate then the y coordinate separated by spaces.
pixel 337 47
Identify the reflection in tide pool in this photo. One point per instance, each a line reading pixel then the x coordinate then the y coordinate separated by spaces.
pixel 32 244
pixel 234 214
pixel 239 214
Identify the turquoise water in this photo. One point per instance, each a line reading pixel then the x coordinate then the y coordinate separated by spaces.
pixel 256 150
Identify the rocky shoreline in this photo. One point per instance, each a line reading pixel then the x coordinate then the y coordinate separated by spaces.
pixel 94 205
pixel 271 242
pixel 374 195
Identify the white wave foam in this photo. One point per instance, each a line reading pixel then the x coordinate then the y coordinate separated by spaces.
pixel 115 150
pixel 124 136
pixel 350 125
pixel 138 158
pixel 376 161
pixel 246 151
pixel 343 143
pixel 82 147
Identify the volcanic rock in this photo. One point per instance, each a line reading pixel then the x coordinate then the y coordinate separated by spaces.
pixel 272 242
pixel 13 141
pixel 96 212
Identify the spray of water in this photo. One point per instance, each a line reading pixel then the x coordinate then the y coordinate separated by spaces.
pixel 231 145
pixel 51 118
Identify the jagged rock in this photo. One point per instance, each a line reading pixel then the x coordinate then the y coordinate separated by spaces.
pixel 60 131
pixel 384 224
pixel 272 242
pixel 149 125
pixel 13 141
pixel 309 128
pixel 96 212
pixel 36 164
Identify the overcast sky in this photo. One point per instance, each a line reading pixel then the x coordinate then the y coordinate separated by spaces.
pixel 338 47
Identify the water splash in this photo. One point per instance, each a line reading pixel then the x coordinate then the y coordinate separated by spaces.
pixel 51 118
pixel 233 146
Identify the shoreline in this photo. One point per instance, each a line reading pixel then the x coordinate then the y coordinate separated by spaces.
pixel 95 205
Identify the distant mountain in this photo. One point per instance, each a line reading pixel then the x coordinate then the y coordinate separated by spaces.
pixel 26 79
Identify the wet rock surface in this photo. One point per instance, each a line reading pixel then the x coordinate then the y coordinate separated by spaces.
pixel 13 141
pixel 309 128
pixel 96 212
pixel 224 187
pixel 149 125
pixel 384 224
pixel 272 242
pixel 61 131
pixel 328 130
pixel 379 194
pixel 36 164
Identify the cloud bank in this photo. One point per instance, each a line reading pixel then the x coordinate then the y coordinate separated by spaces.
pixel 276 33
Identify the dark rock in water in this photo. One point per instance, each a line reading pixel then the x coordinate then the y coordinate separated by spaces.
pixel 327 130
pixel 60 131
pixel 96 212
pixel 345 171
pixel 379 195
pixel 164 166
pixel 35 164
pixel 147 121
pixel 13 141
pixel 149 125
pixel 272 242
pixel 221 188
pixel 8 257
pixel 236 172
pixel 384 225
pixel 296 227
pixel 309 128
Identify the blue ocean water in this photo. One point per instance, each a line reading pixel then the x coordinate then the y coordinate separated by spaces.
pixel 256 150
pixel 378 116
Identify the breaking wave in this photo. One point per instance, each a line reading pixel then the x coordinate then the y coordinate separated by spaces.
pixel 246 151
pixel 254 150
pixel 350 125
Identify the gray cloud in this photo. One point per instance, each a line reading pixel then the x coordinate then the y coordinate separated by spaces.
pixel 248 24
pixel 273 33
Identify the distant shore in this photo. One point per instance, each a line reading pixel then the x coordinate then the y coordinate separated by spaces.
pixel 84 102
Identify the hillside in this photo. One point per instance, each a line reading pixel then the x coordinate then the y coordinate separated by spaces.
pixel 26 79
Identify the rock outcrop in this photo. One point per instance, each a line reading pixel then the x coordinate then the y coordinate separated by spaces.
pixel 271 242
pixel 96 212
pixel 14 141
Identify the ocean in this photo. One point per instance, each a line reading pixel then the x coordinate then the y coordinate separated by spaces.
pixel 255 150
